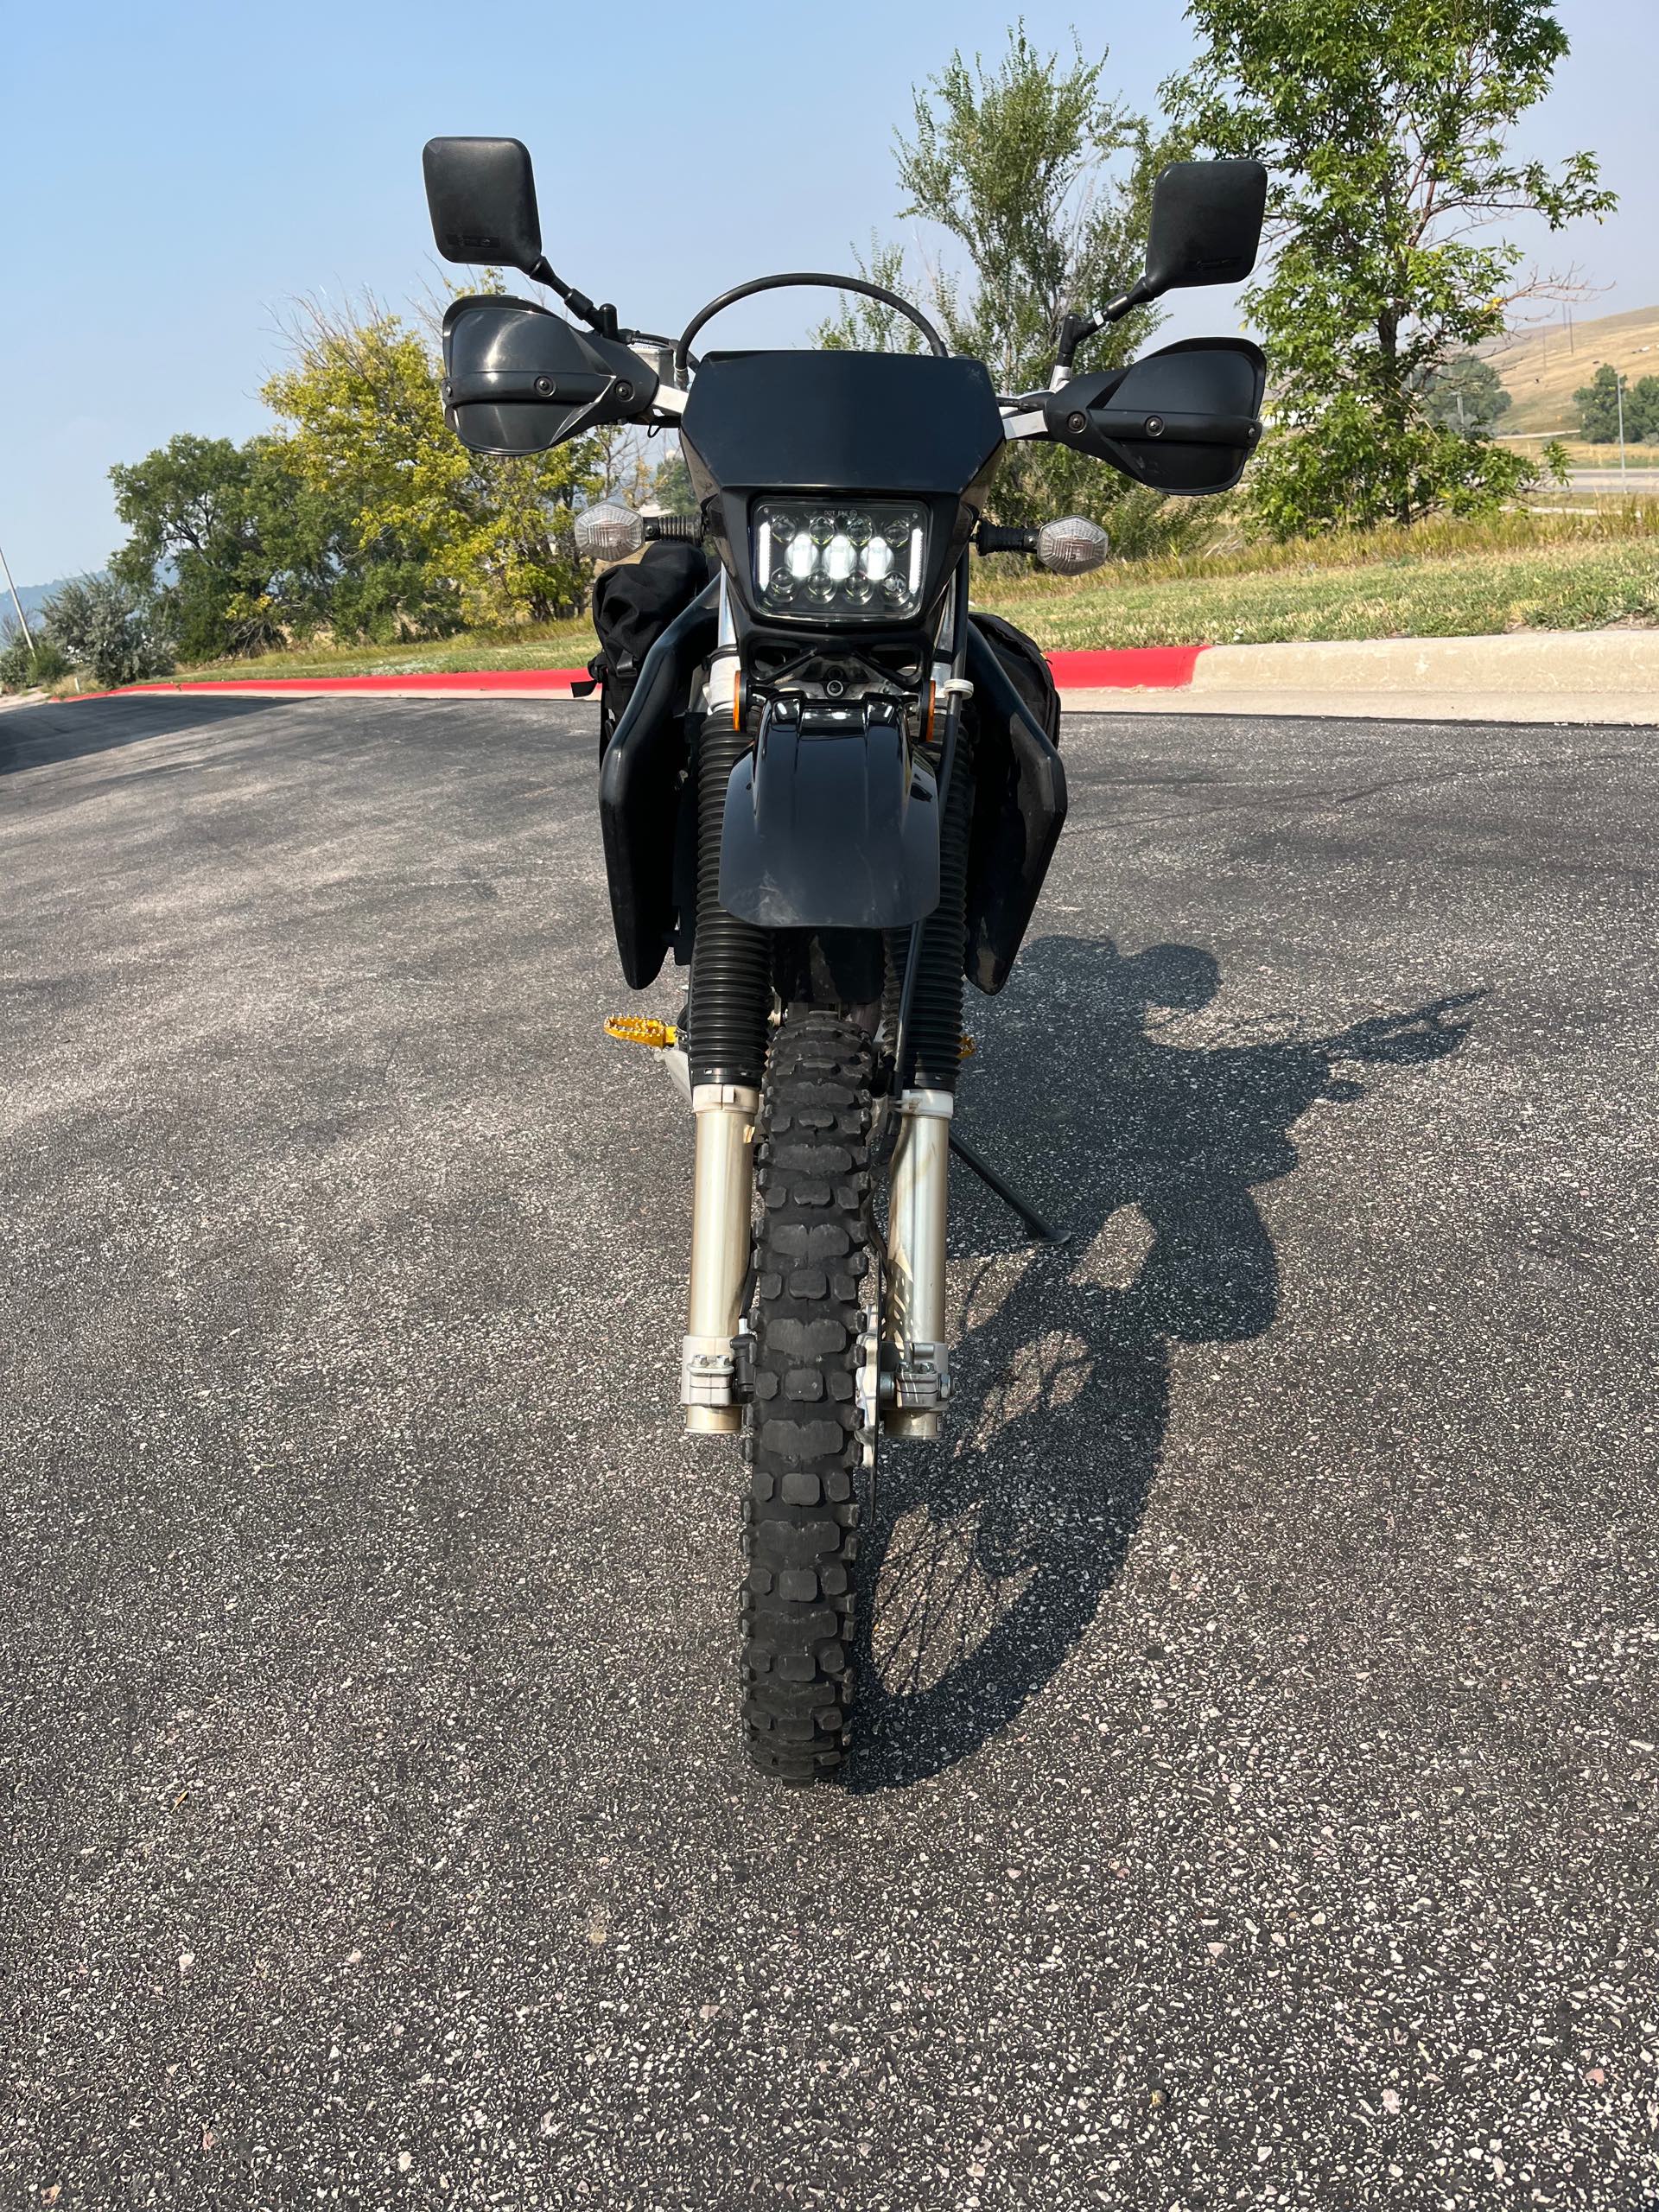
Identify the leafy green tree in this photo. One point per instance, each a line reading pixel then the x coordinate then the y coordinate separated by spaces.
pixel 237 550
pixel 485 539
pixel 1385 123
pixel 185 507
pixel 1642 410
pixel 1598 403
pixel 1012 162
pixel 1042 182
pixel 670 486
pixel 100 624
pixel 1466 395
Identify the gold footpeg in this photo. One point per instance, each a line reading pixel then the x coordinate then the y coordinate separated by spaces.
pixel 642 1029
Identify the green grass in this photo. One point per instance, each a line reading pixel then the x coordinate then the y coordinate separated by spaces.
pixel 539 645
pixel 1444 580
pixel 1567 571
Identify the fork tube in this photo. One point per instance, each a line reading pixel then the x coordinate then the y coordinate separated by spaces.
pixel 722 1183
pixel 726 1058
pixel 917 1207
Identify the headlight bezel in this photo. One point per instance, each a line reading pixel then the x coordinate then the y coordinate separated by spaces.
pixel 830 559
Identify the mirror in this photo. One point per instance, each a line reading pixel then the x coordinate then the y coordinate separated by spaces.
pixel 1184 419
pixel 1205 227
pixel 517 379
pixel 481 195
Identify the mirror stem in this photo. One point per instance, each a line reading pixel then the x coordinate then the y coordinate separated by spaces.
pixel 601 319
pixel 1076 327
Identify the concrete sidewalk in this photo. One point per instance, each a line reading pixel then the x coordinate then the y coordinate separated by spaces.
pixel 1535 676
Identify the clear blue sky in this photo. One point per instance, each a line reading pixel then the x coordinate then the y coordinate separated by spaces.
pixel 175 172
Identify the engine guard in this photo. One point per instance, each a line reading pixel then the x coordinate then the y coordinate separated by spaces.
pixel 830 821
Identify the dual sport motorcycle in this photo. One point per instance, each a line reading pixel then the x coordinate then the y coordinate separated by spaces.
pixel 832 792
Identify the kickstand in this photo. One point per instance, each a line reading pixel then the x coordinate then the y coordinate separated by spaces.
pixel 1040 1229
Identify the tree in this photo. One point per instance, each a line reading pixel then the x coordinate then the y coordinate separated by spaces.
pixel 1385 123
pixel 670 486
pixel 1642 410
pixel 1598 403
pixel 236 550
pixel 1043 183
pixel 472 536
pixel 1466 395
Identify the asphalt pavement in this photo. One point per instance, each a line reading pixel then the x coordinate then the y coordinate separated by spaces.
pixel 1256 1798
pixel 1614 481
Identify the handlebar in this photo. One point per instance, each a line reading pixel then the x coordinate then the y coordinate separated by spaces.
pixel 681 351
pixel 1002 537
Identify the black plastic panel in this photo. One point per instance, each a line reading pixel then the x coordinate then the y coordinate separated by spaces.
pixel 641 793
pixel 878 422
pixel 1020 810
pixel 1184 419
pixel 518 380
pixel 830 824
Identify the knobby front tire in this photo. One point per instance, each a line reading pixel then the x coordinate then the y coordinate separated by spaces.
pixel 812 1268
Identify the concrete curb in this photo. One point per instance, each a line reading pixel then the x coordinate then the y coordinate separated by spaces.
pixel 1536 676
pixel 1535 662
pixel 1612 708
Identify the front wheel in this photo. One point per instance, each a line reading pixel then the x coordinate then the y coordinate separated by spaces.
pixel 813 1273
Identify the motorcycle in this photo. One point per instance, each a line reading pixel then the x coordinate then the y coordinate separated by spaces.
pixel 829 798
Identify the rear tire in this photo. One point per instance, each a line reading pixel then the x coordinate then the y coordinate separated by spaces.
pixel 812 1265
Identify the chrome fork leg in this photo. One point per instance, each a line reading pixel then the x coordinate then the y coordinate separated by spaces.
pixel 722 1184
pixel 917 1206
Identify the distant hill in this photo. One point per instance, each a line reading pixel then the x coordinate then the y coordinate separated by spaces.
pixel 30 594
pixel 1543 367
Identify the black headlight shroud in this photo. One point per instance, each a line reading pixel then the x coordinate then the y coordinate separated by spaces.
pixel 854 430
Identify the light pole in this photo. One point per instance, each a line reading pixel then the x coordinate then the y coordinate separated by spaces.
pixel 1618 388
pixel 22 622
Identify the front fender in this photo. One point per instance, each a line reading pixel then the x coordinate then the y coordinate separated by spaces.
pixel 830 823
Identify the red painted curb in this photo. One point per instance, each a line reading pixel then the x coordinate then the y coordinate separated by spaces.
pixel 471 679
pixel 1132 668
pixel 1127 668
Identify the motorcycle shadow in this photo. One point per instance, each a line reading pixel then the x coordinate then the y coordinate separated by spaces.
pixel 985 1558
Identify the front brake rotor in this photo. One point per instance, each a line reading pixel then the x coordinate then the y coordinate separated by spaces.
pixel 869 1384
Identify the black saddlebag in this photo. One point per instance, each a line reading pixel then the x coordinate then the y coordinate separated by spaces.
pixel 632 607
pixel 1019 793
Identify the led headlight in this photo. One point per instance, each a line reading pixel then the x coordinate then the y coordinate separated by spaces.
pixel 841 562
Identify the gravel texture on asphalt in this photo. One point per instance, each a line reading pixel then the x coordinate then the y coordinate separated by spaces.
pixel 1256 1798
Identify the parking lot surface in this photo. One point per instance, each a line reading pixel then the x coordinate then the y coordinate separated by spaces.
pixel 1256 1803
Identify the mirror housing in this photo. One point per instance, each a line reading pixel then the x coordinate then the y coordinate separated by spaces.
pixel 480 193
pixel 518 380
pixel 1205 226
pixel 1184 419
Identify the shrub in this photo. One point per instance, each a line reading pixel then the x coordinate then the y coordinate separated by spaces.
pixel 22 670
pixel 104 627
